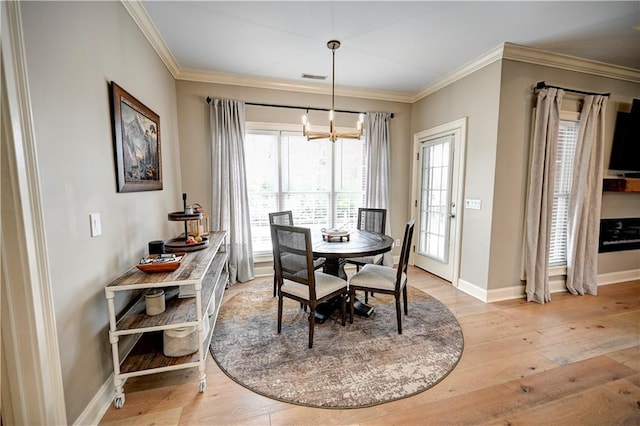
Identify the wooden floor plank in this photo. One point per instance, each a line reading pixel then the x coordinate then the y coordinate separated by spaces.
pixel 629 357
pixel 616 401
pixel 502 400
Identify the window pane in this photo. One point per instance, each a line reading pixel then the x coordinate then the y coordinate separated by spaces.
pixel 349 182
pixel 306 166
pixel 261 156
pixel 567 138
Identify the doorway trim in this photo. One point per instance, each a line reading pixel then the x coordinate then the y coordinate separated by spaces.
pixel 457 126
pixel 33 389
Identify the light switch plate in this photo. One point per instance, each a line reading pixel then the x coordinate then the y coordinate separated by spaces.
pixel 472 204
pixel 96 225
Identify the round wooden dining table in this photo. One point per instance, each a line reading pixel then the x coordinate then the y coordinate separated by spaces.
pixel 358 244
pixel 336 251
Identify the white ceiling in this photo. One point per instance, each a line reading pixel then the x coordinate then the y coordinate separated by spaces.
pixel 399 47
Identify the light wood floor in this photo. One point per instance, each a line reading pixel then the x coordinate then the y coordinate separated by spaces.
pixel 574 361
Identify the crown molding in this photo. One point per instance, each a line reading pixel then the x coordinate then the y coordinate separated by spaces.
pixel 530 55
pixel 142 19
pixel 515 52
pixel 488 58
pixel 290 85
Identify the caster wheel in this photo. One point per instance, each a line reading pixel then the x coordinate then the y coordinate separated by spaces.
pixel 119 401
pixel 203 386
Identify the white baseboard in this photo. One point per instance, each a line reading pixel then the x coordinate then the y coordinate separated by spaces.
pixel 555 286
pixel 472 289
pixel 93 413
pixel 618 277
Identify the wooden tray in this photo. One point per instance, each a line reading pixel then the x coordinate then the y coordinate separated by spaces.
pixel 179 245
pixel 157 265
pixel 182 216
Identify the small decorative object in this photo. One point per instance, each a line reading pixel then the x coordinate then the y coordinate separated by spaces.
pixel 199 227
pixel 136 134
pixel 188 241
pixel 180 341
pixel 154 301
pixel 156 247
pixel 161 262
pixel 329 234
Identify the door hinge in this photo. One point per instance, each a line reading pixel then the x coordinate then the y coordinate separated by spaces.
pixel 415 203
pixel 413 248
pixel 418 156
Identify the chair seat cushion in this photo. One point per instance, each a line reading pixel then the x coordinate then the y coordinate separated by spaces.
pixel 377 277
pixel 325 284
pixel 377 259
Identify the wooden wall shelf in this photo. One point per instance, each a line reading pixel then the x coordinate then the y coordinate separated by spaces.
pixel 621 184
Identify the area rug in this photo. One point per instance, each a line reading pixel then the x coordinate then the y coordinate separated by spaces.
pixel 360 365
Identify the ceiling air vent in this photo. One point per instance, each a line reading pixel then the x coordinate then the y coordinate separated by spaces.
pixel 314 77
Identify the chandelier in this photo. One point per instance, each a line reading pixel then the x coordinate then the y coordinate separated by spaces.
pixel 332 134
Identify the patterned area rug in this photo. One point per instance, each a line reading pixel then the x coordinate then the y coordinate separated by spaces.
pixel 362 364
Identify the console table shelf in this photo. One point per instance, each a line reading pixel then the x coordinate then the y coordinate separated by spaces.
pixel 205 273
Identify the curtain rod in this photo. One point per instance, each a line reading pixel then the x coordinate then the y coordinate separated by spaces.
pixel 297 107
pixel 543 85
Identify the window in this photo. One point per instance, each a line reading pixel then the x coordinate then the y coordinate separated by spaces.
pixel 566 149
pixel 321 182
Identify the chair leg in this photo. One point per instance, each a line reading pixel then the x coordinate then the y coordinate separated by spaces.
pixel 398 314
pixel 404 297
pixel 279 314
pixel 312 323
pixel 275 285
pixel 344 308
pixel 352 296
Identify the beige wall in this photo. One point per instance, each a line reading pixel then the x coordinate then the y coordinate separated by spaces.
pixel 516 100
pixel 193 116
pixel 475 97
pixel 73 50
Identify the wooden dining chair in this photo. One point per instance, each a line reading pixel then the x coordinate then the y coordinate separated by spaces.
pixel 296 277
pixel 372 220
pixel 384 279
pixel 286 218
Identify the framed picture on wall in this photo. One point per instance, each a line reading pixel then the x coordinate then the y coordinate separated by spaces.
pixel 136 135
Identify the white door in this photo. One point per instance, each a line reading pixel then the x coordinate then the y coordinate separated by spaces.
pixel 438 198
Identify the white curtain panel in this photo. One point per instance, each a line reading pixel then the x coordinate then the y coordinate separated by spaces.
pixel 586 198
pixel 540 194
pixel 230 205
pixel 378 167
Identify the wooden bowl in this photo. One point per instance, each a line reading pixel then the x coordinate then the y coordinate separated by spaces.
pixel 158 264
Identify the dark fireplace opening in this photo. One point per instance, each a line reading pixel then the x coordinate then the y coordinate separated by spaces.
pixel 619 234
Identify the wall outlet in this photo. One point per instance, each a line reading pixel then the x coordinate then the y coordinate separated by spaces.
pixel 96 225
pixel 398 242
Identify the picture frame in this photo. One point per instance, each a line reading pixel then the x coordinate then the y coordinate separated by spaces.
pixel 137 148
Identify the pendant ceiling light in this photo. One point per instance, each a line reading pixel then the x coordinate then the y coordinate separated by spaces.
pixel 332 134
